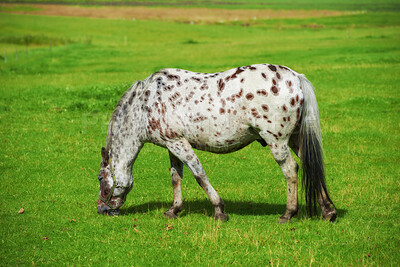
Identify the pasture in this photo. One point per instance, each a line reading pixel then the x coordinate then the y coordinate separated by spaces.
pixel 61 77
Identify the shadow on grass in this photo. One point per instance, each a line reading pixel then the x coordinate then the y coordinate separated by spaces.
pixel 205 207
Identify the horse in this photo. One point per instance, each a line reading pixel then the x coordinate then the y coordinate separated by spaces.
pixel 221 113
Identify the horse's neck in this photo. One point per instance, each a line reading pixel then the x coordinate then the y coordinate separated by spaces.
pixel 127 134
pixel 127 129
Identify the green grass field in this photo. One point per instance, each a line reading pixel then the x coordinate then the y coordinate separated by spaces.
pixel 370 5
pixel 61 77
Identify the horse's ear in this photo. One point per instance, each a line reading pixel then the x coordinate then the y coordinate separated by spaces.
pixel 104 155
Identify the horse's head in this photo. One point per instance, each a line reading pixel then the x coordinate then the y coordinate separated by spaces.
pixel 108 202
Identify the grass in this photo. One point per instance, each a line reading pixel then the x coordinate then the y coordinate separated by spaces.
pixel 369 5
pixel 55 103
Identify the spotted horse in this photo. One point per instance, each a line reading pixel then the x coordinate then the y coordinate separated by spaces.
pixel 221 113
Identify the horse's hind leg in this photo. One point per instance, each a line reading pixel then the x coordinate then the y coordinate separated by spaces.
pixel 176 178
pixel 284 158
pixel 184 152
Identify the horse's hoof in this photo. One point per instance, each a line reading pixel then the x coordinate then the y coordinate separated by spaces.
pixel 170 214
pixel 222 217
pixel 283 220
pixel 331 216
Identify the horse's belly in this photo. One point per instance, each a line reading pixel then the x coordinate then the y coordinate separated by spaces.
pixel 220 139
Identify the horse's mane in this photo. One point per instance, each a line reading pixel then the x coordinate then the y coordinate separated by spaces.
pixel 115 113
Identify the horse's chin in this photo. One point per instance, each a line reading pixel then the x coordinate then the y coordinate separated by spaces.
pixel 106 210
pixel 109 212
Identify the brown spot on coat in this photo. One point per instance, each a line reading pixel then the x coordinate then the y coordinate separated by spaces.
pixel 272 134
pixel 284 68
pixel 173 77
pixel 264 75
pixel 221 86
pixel 196 79
pixel 155 124
pixel 262 92
pixel 255 113
pixel 163 109
pixel 274 90
pixel 233 76
pixel 223 102
pixel 272 67
pixel 239 95
pixel 131 97
pixel 221 111
pixel 249 96
pixel 265 108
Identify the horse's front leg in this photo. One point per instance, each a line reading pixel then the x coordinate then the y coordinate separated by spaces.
pixel 184 152
pixel 176 178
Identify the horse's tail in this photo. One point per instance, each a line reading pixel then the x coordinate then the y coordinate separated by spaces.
pixel 311 151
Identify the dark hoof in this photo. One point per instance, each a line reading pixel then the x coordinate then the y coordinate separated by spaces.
pixel 283 220
pixel 222 217
pixel 287 216
pixel 170 214
pixel 331 216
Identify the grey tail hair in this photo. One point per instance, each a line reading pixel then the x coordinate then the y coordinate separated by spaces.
pixel 311 151
pixel 115 113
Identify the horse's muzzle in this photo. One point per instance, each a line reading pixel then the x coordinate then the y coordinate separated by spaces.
pixel 106 210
